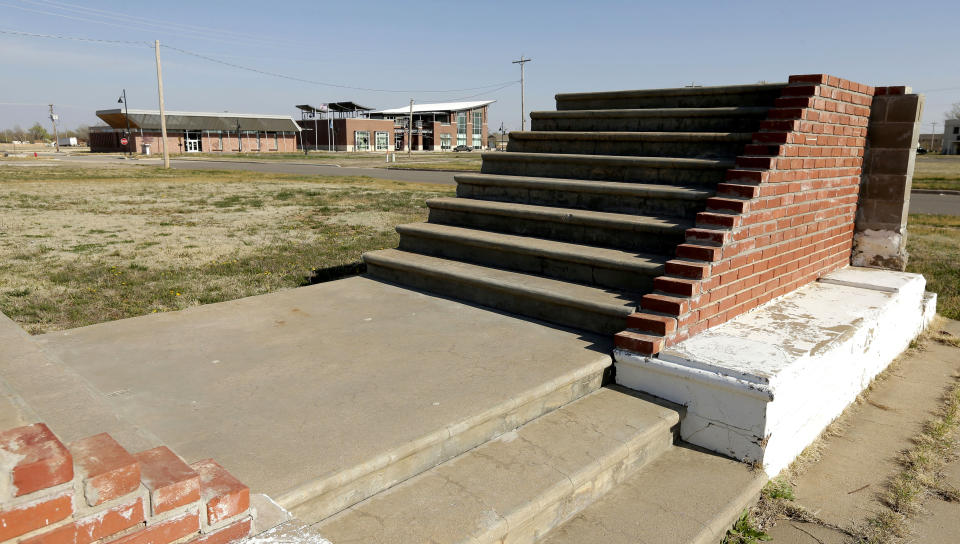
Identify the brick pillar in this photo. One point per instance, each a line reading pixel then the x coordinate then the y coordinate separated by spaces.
pixel 880 238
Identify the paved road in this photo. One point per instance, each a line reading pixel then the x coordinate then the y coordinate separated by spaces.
pixel 931 203
pixel 919 202
pixel 278 167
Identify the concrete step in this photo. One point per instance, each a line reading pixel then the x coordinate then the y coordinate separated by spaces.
pixel 647 234
pixel 603 267
pixel 602 196
pixel 762 94
pixel 575 305
pixel 436 377
pixel 660 170
pixel 724 119
pixel 518 487
pixel 685 496
pixel 698 145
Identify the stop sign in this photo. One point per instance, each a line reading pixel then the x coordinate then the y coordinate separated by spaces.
pixel 123 141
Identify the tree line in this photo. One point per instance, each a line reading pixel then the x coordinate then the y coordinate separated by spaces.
pixel 39 133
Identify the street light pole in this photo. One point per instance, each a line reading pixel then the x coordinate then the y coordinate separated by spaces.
pixel 126 116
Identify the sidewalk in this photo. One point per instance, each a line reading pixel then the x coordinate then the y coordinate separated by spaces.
pixel 844 481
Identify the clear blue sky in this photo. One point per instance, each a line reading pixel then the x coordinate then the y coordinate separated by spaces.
pixel 425 45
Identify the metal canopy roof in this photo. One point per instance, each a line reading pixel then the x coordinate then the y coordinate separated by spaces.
pixel 341 107
pixel 188 120
pixel 439 107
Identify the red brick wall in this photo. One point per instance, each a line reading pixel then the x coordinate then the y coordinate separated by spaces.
pixel 94 490
pixel 783 218
pixel 101 142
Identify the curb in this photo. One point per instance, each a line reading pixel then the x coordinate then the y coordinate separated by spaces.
pixel 258 162
pixel 430 170
pixel 935 191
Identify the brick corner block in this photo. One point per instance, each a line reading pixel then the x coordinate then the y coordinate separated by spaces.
pixel 108 471
pixel 170 481
pixel 223 496
pixel 32 458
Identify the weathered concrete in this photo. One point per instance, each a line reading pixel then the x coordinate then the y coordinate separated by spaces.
pixel 328 393
pixel 762 386
pixel 685 496
pixel 880 239
pixel 522 485
pixel 845 485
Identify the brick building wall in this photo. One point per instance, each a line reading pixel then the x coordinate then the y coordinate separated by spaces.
pixel 109 142
pixel 784 216
pixel 93 490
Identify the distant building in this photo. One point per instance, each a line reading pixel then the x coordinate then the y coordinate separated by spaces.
pixel 195 132
pixel 348 126
pixel 951 137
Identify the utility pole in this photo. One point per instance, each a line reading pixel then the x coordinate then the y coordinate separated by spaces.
pixel 933 131
pixel 410 130
pixel 56 135
pixel 523 111
pixel 163 116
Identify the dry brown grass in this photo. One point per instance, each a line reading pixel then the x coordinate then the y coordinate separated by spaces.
pixel 82 246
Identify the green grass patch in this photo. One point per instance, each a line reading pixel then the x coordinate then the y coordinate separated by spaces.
pixel 933 242
pixel 937 172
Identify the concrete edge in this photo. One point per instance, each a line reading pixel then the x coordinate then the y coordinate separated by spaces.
pixel 935 191
pixel 310 490
pixel 707 377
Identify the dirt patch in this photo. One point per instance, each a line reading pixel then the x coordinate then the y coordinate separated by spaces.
pixel 82 246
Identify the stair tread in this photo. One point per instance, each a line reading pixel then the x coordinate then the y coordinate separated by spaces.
pixel 685 496
pixel 627 136
pixel 605 301
pixel 556 463
pixel 622 221
pixel 612 258
pixel 624 160
pixel 652 190
pixel 675 91
pixel 759 111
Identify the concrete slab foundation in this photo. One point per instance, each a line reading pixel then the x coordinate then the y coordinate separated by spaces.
pixel 324 395
pixel 763 386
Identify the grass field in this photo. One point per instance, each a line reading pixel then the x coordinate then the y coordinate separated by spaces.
pixel 937 172
pixel 82 246
pixel 933 242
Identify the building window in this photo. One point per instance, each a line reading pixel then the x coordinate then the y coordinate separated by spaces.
pixel 461 128
pixel 382 141
pixel 258 140
pixel 361 140
pixel 956 130
pixel 477 129
pixel 444 119
pixel 445 142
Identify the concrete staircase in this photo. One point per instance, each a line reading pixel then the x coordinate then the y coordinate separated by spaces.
pixel 571 226
pixel 604 468
pixel 573 223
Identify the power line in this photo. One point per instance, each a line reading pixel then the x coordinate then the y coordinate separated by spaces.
pixel 324 83
pixel 126 20
pixel 71 38
pixel 493 87
pixel 126 25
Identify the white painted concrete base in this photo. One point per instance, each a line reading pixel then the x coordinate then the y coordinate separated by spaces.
pixel 763 386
